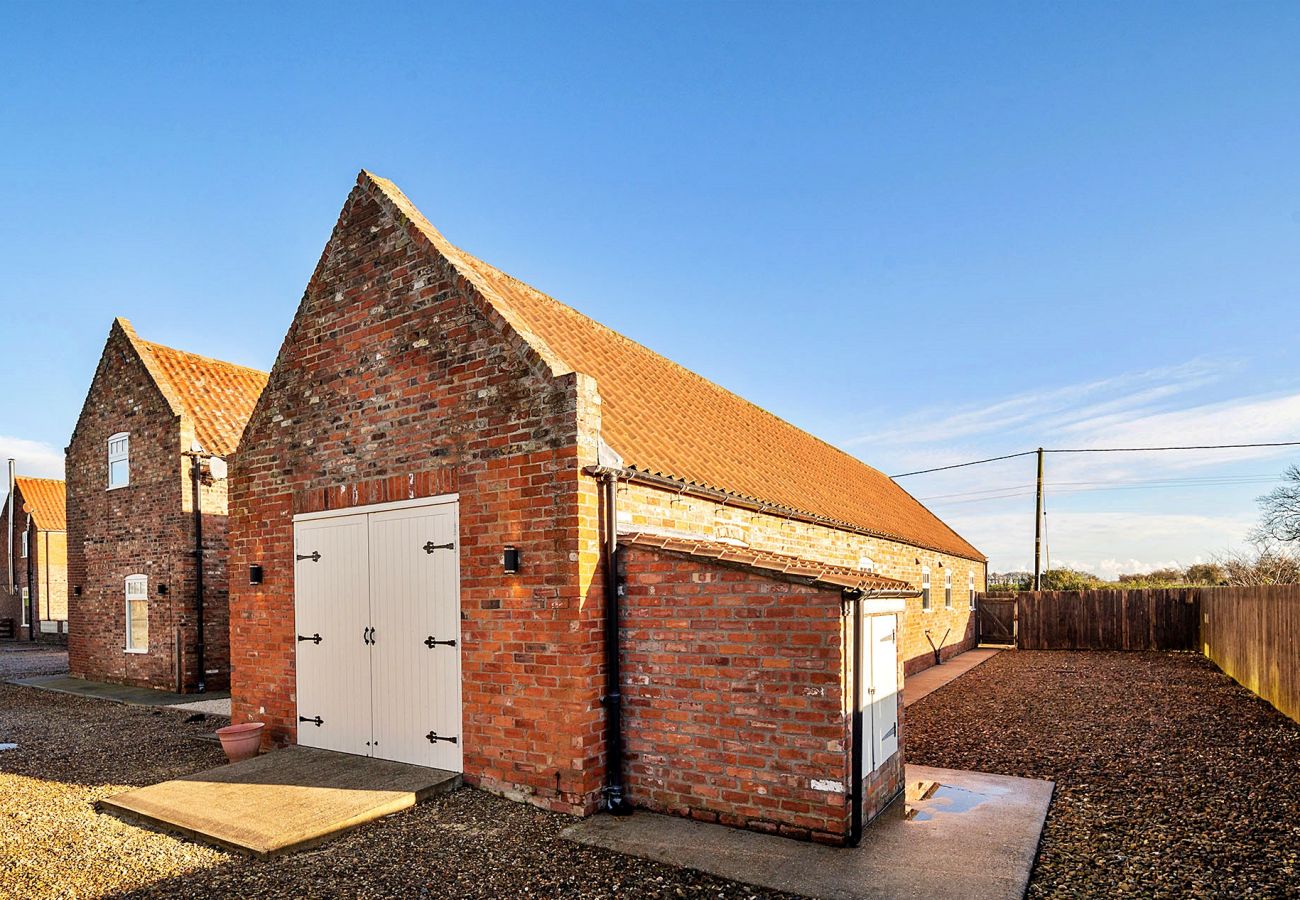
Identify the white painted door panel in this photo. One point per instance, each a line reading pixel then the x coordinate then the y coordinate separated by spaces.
pixel 414 602
pixel 883 642
pixel 332 599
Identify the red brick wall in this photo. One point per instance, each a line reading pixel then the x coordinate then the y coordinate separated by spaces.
pixel 735 697
pixel 143 528
pixel 394 382
pixel 11 602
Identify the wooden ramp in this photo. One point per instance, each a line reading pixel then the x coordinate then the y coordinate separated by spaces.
pixel 281 801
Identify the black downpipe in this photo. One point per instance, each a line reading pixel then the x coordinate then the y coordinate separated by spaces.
pixel 33 585
pixel 615 799
pixel 855 833
pixel 196 477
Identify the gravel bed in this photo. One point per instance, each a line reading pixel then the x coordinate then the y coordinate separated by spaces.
pixel 73 751
pixel 27 660
pixel 1171 779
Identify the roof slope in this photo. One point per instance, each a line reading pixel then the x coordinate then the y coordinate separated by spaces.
pixel 665 420
pixel 216 396
pixel 771 564
pixel 45 500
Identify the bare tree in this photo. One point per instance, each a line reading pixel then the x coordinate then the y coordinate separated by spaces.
pixel 1281 509
pixel 1266 564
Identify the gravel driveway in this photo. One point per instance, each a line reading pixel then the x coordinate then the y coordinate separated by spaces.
pixel 1171 780
pixel 73 750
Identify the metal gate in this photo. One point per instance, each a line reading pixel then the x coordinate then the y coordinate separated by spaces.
pixel 996 620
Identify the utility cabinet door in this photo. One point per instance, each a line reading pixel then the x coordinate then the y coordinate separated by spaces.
pixel 883 642
pixel 415 609
pixel 332 600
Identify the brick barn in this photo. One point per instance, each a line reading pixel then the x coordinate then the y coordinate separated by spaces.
pixel 148 451
pixel 450 474
pixel 37 591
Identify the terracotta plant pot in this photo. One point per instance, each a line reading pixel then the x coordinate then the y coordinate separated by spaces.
pixel 241 741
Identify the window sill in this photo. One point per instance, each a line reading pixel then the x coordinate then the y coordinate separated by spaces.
pixel 117 487
pixel 131 650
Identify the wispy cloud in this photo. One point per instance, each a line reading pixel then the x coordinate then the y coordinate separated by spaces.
pixel 33 458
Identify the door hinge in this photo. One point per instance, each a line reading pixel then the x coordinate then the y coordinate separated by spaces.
pixel 434 738
pixel 431 643
pixel 893 731
pixel 314 556
pixel 430 546
pixel 871 690
pixel 315 720
pixel 315 638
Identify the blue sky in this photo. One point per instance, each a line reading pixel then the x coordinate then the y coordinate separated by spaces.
pixel 925 232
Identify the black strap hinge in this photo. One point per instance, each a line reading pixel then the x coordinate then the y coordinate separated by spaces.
pixel 315 720
pixel 314 556
pixel 315 638
pixel 434 738
pixel 431 643
pixel 430 546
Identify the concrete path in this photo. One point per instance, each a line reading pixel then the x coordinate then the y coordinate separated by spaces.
pixel 927 681
pixel 962 835
pixel 281 801
pixel 119 693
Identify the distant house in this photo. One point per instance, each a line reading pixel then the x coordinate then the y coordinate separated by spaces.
pixel 451 478
pixel 35 604
pixel 151 439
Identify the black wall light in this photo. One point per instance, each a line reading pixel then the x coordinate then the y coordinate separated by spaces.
pixel 254 574
pixel 510 560
pixel 162 590
pixel 76 590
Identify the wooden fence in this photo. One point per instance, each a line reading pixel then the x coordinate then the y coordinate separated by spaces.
pixel 1165 619
pixel 1251 633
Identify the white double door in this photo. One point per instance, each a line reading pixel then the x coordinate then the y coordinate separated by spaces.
pixel 377 608
pixel 878 667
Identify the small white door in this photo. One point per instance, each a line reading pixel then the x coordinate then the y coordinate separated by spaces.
pixel 332 613
pixel 883 642
pixel 415 612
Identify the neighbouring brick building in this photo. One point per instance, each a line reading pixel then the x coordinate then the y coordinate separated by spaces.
pixel 424 508
pixel 155 428
pixel 35 602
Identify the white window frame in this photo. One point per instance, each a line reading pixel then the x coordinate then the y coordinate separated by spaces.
pixel 947 588
pixel 27 607
pixel 142 580
pixel 971 594
pixel 123 455
pixel 25 532
pixel 866 564
pixel 927 603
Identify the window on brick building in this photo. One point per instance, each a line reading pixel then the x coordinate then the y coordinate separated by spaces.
pixel 27 602
pixel 971 578
pixel 925 587
pixel 947 588
pixel 137 614
pixel 24 545
pixel 119 461
pixel 866 564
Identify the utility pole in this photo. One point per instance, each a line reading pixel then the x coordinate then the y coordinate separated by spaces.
pixel 1038 526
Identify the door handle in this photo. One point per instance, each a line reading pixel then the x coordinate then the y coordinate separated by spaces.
pixel 368 635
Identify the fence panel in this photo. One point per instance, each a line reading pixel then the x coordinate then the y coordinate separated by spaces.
pixel 1253 634
pixel 1108 619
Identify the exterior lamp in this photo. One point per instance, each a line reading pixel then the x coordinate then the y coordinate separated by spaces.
pixel 510 560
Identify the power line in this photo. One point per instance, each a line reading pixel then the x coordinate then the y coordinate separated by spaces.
pixel 980 462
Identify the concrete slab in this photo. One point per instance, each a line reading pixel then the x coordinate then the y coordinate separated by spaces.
pixel 281 801
pixel 219 707
pixel 117 693
pixel 962 835
pixel 927 681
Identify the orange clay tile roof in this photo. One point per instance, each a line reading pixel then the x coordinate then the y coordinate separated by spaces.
pixel 45 500
pixel 216 397
pixel 770 564
pixel 665 420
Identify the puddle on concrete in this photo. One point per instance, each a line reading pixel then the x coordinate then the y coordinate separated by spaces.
pixel 931 798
